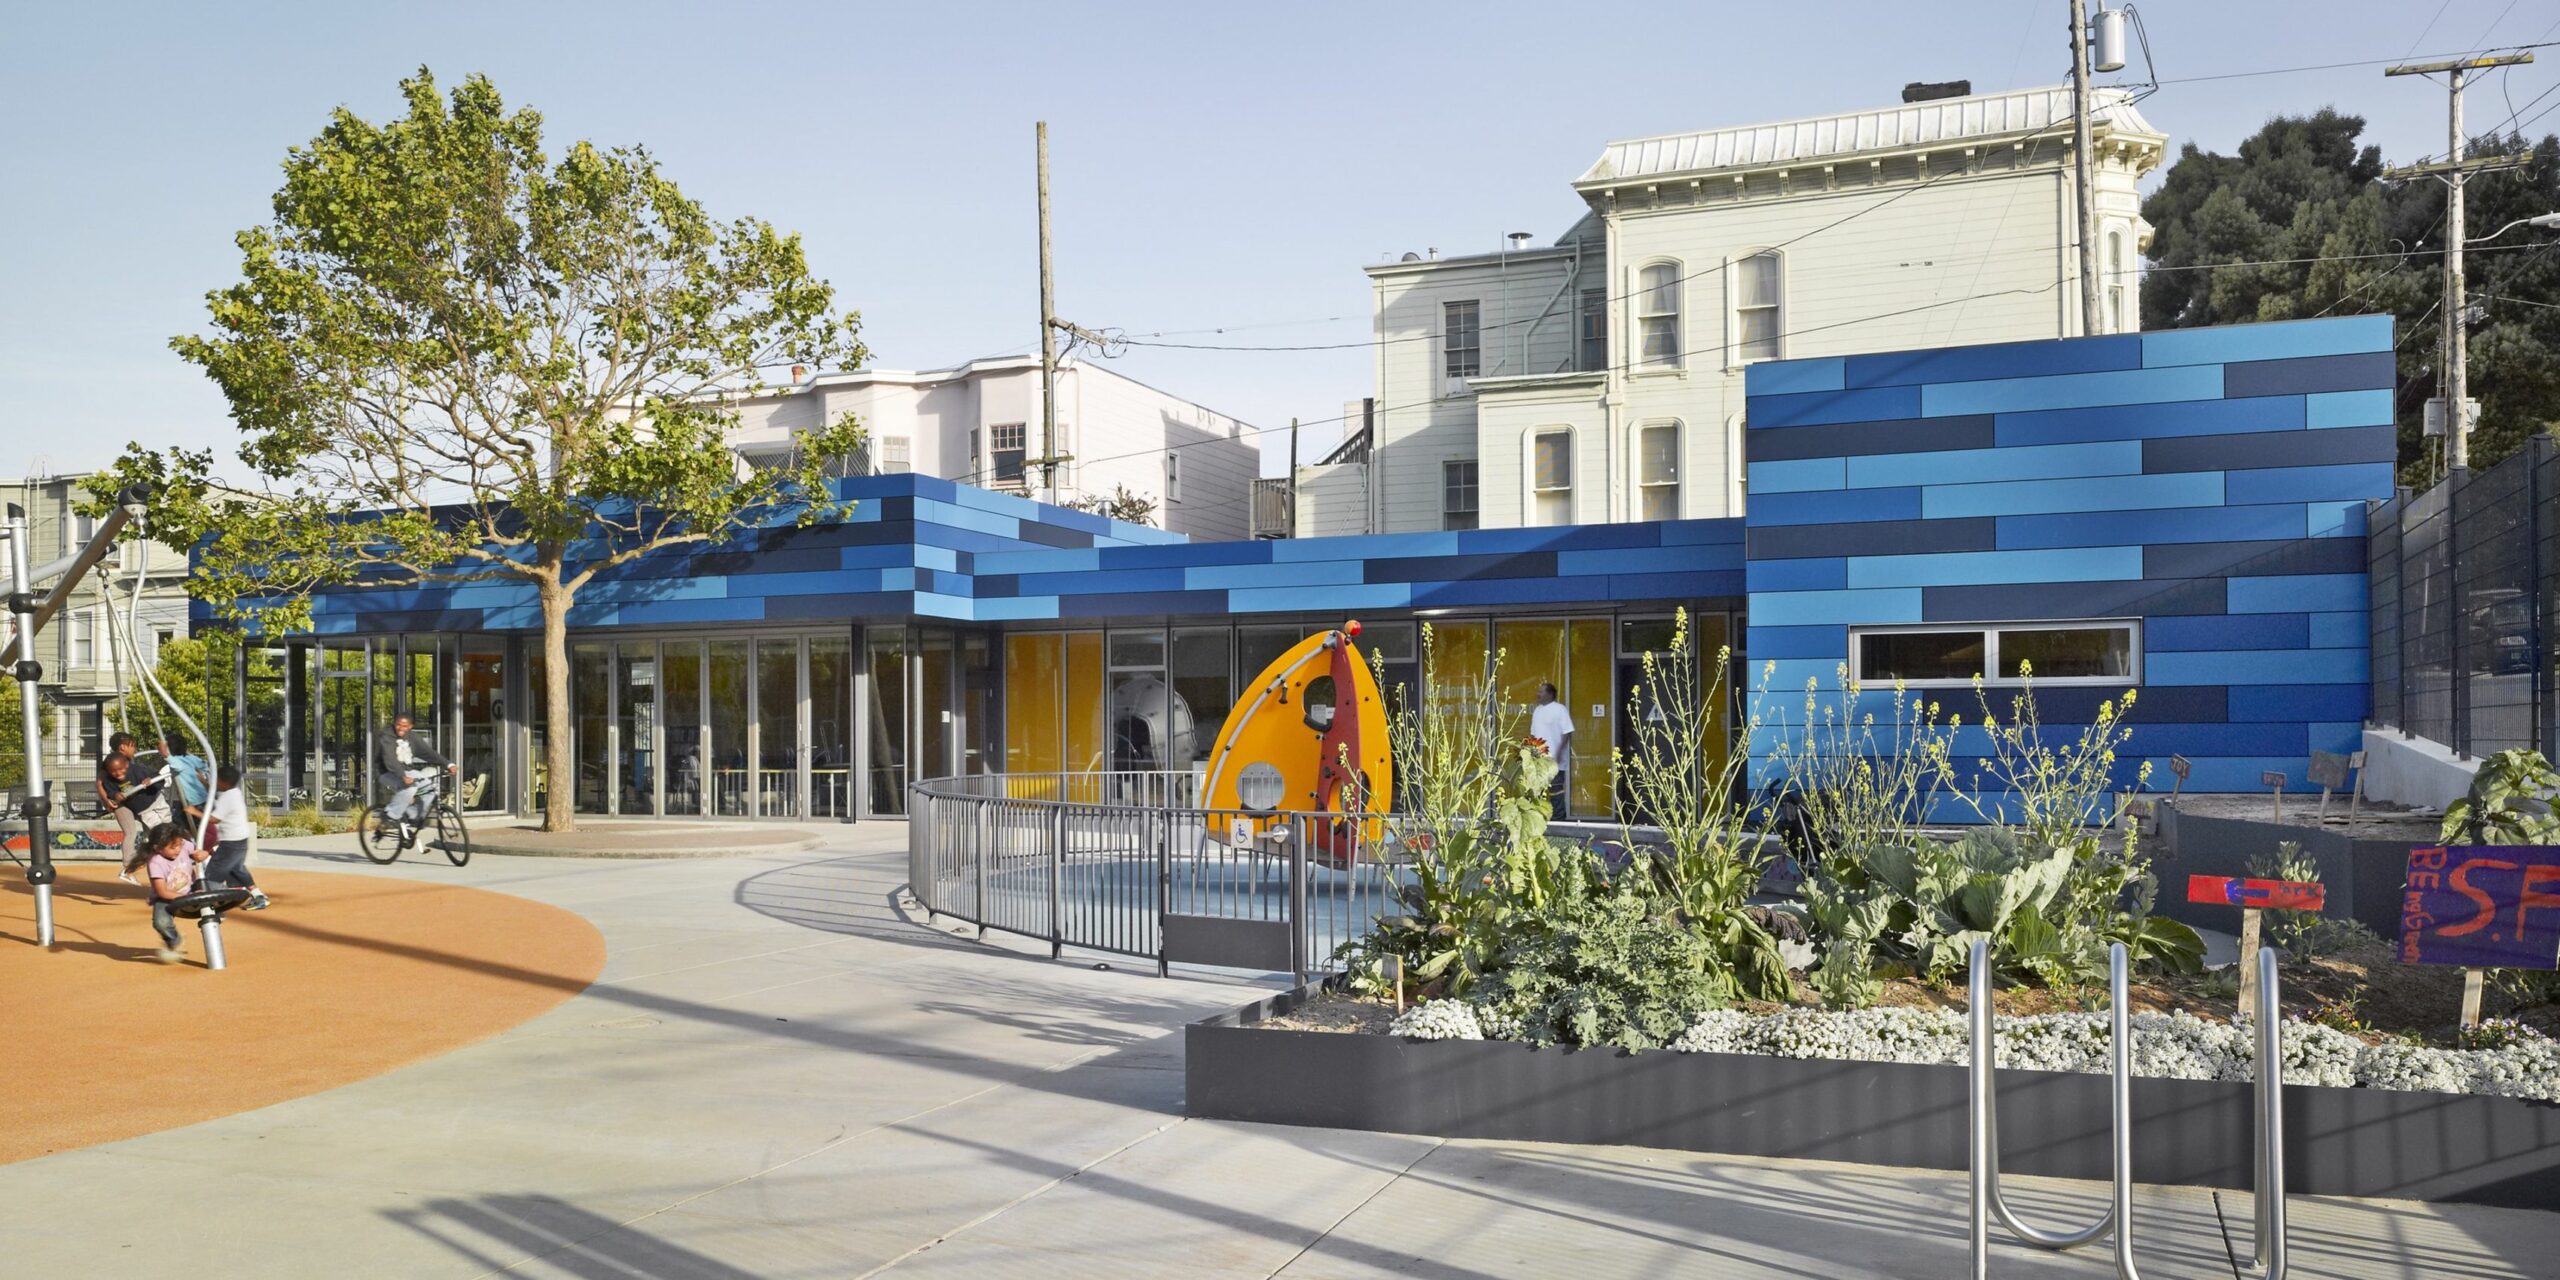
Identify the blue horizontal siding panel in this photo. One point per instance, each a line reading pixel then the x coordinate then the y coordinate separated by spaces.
pixel 595 614
pixel 1502 591
pixel 1829 573
pixel 1970 466
pixel 660 612
pixel 1311 573
pixel 1762 642
pixel 2311 375
pixel 1708 584
pixel 1186 555
pixel 1365 546
pixel 2271 738
pixel 2341 630
pixel 2326 409
pixel 885 555
pixel 1576 564
pixel 893 580
pixel 521 617
pixel 2227 631
pixel 1629 535
pixel 2346 737
pixel 933 604
pixel 1014 609
pixel 2104 528
pixel 1368 595
pixel 1996 360
pixel 1813 408
pixel 2263 666
pixel 1143 604
pixel 2298 593
pixel 2299 702
pixel 1837 507
pixel 955 516
pixel 1101 581
pixel 1684 533
pixel 1889 435
pixel 1856 608
pixel 2149 421
pixel 939 558
pixel 2109 493
pixel 1798 476
pixel 1785 678
pixel 1056 560
pixel 1787 377
pixel 2335 520
pixel 838 606
pixel 793 584
pixel 2072 391
pixel 2284 340
pixel 1985 568
pixel 2312 484
pixel 957 539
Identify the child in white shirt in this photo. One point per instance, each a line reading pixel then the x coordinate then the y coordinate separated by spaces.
pixel 231 832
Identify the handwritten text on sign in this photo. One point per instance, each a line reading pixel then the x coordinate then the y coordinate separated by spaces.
pixel 2288 895
pixel 2490 907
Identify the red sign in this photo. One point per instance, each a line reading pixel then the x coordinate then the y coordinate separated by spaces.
pixel 2487 907
pixel 2286 895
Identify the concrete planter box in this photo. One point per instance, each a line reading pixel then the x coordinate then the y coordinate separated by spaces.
pixel 2351 1142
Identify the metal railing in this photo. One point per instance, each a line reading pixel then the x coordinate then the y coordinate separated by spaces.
pixel 1125 863
pixel 2465 607
pixel 2267 1155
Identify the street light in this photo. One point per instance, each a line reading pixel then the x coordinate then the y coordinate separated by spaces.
pixel 2546 220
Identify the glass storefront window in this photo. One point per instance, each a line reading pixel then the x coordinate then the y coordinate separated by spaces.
pixel 731 794
pixel 590 689
pixel 484 717
pixel 830 726
pixel 934 754
pixel 1087 710
pixel 636 729
pixel 687 765
pixel 1203 687
pixel 887 722
pixel 778 728
pixel 1145 719
pixel 981 705
pixel 1034 705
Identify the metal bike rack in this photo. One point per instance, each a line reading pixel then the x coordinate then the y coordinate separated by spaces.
pixel 2268 1163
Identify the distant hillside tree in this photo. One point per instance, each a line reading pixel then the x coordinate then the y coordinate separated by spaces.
pixel 1122 504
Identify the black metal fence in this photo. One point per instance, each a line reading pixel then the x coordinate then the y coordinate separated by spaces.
pixel 2466 607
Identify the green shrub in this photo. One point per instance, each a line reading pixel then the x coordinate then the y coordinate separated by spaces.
pixel 2514 799
pixel 1610 968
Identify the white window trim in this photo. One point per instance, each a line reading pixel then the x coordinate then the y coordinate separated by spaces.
pixel 1733 357
pixel 1991 650
pixel 1475 484
pixel 1679 465
pixel 1172 477
pixel 1529 475
pixel 1737 466
pixel 1456 384
pixel 1637 296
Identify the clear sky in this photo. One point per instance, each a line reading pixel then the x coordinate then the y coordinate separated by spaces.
pixel 1214 165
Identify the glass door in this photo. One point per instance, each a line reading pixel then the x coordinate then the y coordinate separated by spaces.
pixel 681 714
pixel 590 696
pixel 830 726
pixel 885 719
pixel 635 729
pixel 778 755
pixel 484 714
pixel 732 794
pixel 935 754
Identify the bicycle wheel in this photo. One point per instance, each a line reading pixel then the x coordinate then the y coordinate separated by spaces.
pixel 379 840
pixel 451 834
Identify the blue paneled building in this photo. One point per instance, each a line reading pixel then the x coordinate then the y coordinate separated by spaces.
pixel 2179 511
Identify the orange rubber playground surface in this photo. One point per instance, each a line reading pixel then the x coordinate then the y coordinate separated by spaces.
pixel 347 976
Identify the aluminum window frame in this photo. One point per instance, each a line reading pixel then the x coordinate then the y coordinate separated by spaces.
pixel 1647 315
pixel 1451 486
pixel 1991 656
pixel 1461 317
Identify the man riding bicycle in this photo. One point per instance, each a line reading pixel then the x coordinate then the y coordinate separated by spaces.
pixel 407 759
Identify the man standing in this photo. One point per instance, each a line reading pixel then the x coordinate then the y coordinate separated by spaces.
pixel 403 758
pixel 1551 724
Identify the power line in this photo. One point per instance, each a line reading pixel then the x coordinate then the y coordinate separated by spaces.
pixel 2431 25
pixel 2336 66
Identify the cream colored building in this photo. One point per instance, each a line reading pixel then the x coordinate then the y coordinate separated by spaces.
pixel 1599 378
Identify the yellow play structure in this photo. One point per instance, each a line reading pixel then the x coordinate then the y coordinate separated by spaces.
pixel 1313 738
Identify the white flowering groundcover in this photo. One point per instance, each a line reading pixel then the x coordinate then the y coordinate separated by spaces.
pixel 2174 1046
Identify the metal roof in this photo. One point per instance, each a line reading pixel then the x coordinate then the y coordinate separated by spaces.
pixel 1944 121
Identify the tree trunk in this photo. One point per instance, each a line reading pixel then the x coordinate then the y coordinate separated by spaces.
pixel 559 761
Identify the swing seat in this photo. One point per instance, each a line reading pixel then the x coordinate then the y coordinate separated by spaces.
pixel 190 905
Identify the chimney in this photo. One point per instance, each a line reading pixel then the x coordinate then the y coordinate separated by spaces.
pixel 798 372
pixel 1927 91
pixel 1519 240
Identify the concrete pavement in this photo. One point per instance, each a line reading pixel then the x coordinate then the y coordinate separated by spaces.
pixel 779 1076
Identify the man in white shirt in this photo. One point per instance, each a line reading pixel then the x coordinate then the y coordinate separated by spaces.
pixel 1551 724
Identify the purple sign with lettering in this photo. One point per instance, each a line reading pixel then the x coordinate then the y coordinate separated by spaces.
pixel 2491 907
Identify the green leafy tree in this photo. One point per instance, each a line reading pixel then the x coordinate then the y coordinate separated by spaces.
pixel 1122 504
pixel 456 359
pixel 2299 223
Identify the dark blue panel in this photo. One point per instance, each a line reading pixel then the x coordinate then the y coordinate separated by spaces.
pixel 1094 581
pixel 1827 573
pixel 2344 482
pixel 1184 555
pixel 2253 559
pixel 997 586
pixel 2144 421
pixel 2373 370
pixel 958 539
pixel 1050 535
pixel 1833 506
pixel 1863 439
pixel 1878 537
pixel 1996 360
pixel 2264 738
pixel 719 564
pixel 654 612
pixel 2239 631
pixel 1580 537
pixel 1508 591
pixel 1141 604
pixel 1419 569
pixel 1763 643
pixel 422 620
pixel 1812 407
pixel 1710 584
pixel 2071 600
pixel 2269 449
pixel 2078 704
pixel 2299 702
pixel 845 604
pixel 1722 531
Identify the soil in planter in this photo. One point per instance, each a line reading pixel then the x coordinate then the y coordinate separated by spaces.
pixel 1335 1011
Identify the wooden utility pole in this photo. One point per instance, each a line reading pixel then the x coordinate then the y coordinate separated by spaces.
pixel 2083 189
pixel 1048 336
pixel 2453 170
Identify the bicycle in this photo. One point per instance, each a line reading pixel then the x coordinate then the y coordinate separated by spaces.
pixel 383 842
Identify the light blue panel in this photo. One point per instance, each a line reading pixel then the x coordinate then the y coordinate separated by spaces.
pixel 2312 484
pixel 1812 608
pixel 1371 547
pixel 2149 421
pixel 1053 560
pixel 2286 340
pixel 2336 519
pixel 903 579
pixel 1826 573
pixel 1101 581
pixel 1984 568
pixel 942 558
pixel 519 617
pixel 1787 377
pixel 1837 507
pixel 2071 391
pixel 1372 595
pixel 673 611
pixel 1782 679
pixel 2341 630
pixel 933 604
pixel 2104 528
pixel 2110 493
pixel 2298 593
pixel 1967 466
pixel 1310 573
pixel 2347 409
pixel 1797 475
pixel 1765 642
pixel 2263 666
pixel 2346 737
pixel 489 597
pixel 1014 608
pixel 959 517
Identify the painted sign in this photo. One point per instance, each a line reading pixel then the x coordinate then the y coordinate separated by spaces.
pixel 2284 895
pixel 2487 907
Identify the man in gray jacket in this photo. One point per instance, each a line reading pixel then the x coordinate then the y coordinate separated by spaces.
pixel 402 758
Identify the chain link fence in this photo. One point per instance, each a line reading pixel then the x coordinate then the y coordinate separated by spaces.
pixel 2466 607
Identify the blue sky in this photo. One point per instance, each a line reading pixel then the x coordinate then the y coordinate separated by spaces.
pixel 1214 166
